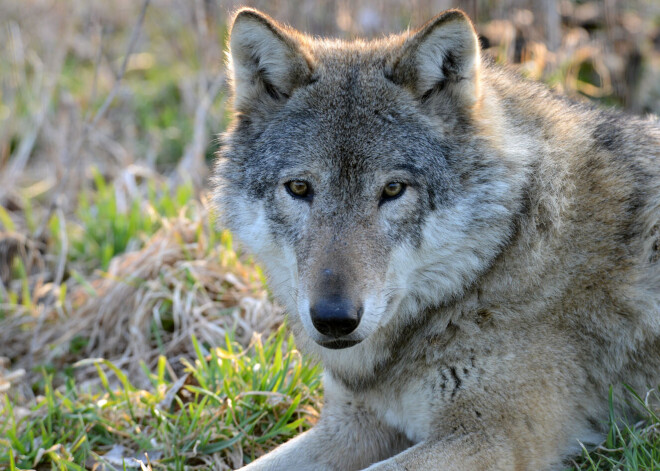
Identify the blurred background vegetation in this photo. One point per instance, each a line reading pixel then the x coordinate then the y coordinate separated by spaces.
pixel 108 118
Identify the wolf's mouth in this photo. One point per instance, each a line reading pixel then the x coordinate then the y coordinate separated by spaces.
pixel 338 344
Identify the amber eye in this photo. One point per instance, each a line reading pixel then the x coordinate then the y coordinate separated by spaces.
pixel 393 190
pixel 297 188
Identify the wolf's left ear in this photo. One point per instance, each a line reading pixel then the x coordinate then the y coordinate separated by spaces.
pixel 443 56
pixel 266 60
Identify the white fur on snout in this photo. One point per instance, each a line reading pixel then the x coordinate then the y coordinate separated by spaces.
pixel 451 255
pixel 374 306
pixel 251 226
pixel 253 230
pixel 306 316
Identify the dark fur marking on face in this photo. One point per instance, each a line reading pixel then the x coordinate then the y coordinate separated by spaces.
pixel 243 123
pixel 410 168
pixel 278 228
pixel 409 229
pixel 443 384
pixel 432 197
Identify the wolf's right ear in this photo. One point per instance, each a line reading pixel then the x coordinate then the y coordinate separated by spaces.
pixel 266 62
pixel 442 57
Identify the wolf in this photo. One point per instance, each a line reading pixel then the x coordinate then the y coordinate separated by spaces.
pixel 474 259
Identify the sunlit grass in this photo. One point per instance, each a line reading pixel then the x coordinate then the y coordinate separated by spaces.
pixel 105 229
pixel 229 402
pixel 628 446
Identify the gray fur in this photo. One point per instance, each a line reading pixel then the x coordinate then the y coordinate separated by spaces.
pixel 513 281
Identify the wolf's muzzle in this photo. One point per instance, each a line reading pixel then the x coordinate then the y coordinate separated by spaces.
pixel 335 317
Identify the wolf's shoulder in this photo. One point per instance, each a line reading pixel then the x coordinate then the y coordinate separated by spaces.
pixel 581 126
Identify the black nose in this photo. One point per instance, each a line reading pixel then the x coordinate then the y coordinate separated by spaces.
pixel 335 317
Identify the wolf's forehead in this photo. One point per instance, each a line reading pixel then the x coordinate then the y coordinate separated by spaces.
pixel 366 56
pixel 352 87
pixel 349 63
pixel 354 120
pixel 353 104
pixel 358 120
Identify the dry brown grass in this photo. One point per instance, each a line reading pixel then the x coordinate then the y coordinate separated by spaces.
pixel 202 289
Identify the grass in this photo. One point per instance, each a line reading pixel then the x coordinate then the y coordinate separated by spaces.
pixel 628 447
pixel 130 324
pixel 226 400
pixel 104 230
pixel 151 264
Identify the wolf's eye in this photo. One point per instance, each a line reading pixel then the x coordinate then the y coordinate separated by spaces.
pixel 392 190
pixel 297 188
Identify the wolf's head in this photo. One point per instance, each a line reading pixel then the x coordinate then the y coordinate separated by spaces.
pixel 368 177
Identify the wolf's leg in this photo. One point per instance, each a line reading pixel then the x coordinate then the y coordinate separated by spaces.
pixel 346 438
pixel 518 412
pixel 467 454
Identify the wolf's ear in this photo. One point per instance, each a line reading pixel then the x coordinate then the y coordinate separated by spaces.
pixel 265 60
pixel 442 56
